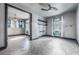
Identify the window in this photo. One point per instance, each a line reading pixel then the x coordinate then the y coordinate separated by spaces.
pixel 9 23
pixel 57 26
pixel 20 23
pixel 42 26
pixel 27 31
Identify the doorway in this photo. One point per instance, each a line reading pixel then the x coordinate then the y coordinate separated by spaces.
pixel 16 27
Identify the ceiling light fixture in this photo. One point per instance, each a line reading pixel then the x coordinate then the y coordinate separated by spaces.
pixel 50 8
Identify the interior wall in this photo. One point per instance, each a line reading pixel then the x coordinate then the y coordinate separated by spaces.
pixel 15 30
pixel 49 26
pixel 69 25
pixel 35 27
pixel 2 20
pixel 77 23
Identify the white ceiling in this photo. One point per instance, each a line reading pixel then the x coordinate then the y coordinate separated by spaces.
pixel 62 7
pixel 19 14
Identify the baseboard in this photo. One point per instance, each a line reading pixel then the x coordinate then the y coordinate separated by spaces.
pixel 60 37
pixel 2 48
pixel 53 36
pixel 18 35
pixel 64 38
pixel 68 38
pixel 38 37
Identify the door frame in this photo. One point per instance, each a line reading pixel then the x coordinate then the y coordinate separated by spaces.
pixel 5 26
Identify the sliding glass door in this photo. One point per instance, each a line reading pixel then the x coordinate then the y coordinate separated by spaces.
pixel 57 27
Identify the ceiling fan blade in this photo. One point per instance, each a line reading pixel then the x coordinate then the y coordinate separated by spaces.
pixel 49 5
pixel 44 9
pixel 49 8
pixel 54 8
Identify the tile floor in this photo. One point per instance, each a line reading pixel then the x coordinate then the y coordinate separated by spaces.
pixel 21 45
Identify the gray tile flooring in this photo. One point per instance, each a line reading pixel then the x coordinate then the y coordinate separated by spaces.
pixel 17 45
pixel 21 45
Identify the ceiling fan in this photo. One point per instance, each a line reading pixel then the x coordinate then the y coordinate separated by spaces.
pixel 50 7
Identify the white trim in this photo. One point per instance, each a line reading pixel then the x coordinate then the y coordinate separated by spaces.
pixel 62 22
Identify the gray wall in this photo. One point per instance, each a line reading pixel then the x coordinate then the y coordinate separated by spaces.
pixel 2 19
pixel 77 23
pixel 69 18
pixel 16 30
pixel 35 27
pixel 49 26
